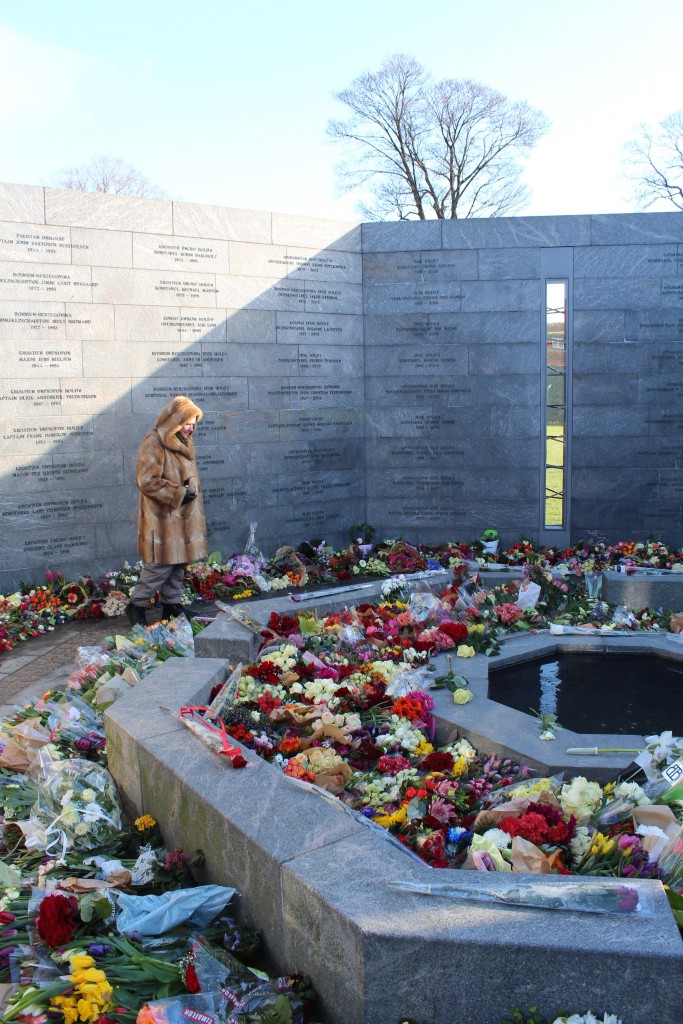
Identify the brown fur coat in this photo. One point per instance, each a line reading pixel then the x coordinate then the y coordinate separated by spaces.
pixel 170 533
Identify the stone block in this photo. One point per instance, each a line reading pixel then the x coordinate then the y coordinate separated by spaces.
pixel 446 485
pixel 504 358
pixel 414 422
pixel 508 421
pixel 617 293
pixel 251 326
pixel 627 261
pixel 609 421
pixel 411 297
pixel 318 486
pixel 294 263
pixel 143 359
pixel 61 472
pixel 219 461
pixel 659 452
pixel 64 434
pixel 605 389
pixel 607 358
pixel 672 293
pixel 37 282
pixel 419 267
pixel 608 483
pixel 420 359
pixel 515 232
pixel 97 210
pixel 154 287
pixel 448 328
pixel 262 293
pixel 344 361
pixel 248 426
pixel 169 323
pixel 305 456
pixel 392 451
pixel 34 360
pixel 223 393
pixel 643 592
pixel 421 391
pixel 304 393
pixel 514 264
pixel 653 325
pixel 487 454
pixel 593 325
pixel 34 243
pixel 506 296
pixel 402 236
pixel 316 232
pixel 200 255
pixel 332 297
pixel 202 221
pixel 635 229
pixel 40 511
pixel 35 549
pixel 42 322
pixel 305 424
pixel 320 328
pixel 25 203
pixel 510 390
pixel 101 247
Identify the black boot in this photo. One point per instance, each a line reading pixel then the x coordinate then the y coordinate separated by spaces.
pixel 137 615
pixel 172 611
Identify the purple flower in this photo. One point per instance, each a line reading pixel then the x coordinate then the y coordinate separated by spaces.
pixel 628 899
pixel 82 744
pixel 99 949
pixel 626 842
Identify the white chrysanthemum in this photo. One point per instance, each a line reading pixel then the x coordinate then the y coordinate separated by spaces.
pixel 498 837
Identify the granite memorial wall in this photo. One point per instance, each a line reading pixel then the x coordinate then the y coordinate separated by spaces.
pixel 386 372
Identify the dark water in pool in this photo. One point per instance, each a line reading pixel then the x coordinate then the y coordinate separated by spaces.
pixel 620 693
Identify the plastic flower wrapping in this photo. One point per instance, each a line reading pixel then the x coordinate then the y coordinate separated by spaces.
pixel 77 808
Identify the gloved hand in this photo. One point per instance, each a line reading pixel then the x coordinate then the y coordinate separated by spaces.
pixel 188 497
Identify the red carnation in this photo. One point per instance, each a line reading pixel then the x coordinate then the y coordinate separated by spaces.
pixel 58 918
pixel 191 980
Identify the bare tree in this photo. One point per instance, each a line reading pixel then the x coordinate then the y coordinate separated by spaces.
pixel 654 162
pixel 108 174
pixel 420 148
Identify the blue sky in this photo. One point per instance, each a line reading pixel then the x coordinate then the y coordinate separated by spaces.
pixel 227 102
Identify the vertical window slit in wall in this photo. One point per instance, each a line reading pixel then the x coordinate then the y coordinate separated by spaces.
pixel 556 405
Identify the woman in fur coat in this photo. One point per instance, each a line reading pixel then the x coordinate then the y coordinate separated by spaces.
pixel 171 525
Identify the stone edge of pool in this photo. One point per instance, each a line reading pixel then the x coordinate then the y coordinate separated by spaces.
pixel 313 878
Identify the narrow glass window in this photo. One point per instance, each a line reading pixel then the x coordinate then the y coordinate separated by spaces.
pixel 556 420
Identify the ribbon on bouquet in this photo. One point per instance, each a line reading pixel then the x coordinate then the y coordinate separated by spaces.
pixel 214 736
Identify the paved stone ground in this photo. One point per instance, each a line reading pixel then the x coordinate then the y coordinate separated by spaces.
pixel 46 662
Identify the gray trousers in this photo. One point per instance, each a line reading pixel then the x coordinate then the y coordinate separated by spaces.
pixel 167 579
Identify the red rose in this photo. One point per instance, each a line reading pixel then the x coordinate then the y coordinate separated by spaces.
pixel 455 630
pixel 58 918
pixel 438 761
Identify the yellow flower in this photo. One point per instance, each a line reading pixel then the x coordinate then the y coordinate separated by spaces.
pixel 476 627
pixel 464 651
pixel 387 820
pixel 144 822
pixel 423 747
pixel 80 962
pixel 462 695
pixel 459 767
